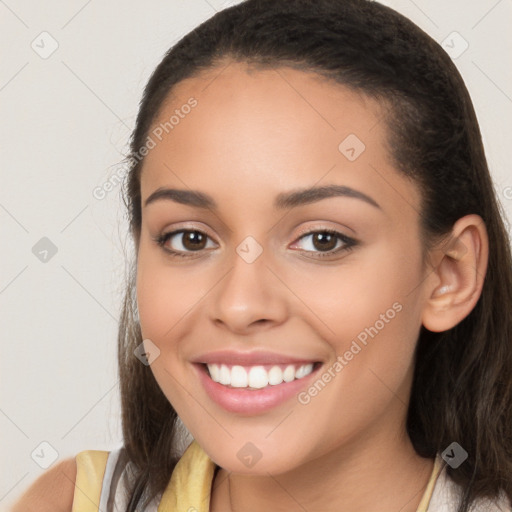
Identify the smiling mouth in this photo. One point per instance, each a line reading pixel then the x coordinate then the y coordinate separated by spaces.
pixel 258 376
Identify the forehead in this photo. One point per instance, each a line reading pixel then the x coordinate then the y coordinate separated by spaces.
pixel 272 128
pixel 281 104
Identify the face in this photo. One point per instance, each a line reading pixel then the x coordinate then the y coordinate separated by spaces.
pixel 319 293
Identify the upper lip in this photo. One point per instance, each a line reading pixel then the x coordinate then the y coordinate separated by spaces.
pixel 249 358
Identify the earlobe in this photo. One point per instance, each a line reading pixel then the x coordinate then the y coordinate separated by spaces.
pixel 456 284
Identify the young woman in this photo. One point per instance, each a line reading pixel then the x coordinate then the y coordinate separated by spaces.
pixel 322 288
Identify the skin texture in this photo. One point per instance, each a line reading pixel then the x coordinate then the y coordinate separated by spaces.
pixel 252 135
pixel 52 492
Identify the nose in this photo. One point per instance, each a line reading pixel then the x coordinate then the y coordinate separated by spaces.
pixel 249 297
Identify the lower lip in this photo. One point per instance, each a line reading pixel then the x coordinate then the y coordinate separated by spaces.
pixel 247 401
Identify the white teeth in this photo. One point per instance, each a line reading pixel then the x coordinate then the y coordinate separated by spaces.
pixel 238 377
pixel 289 374
pixel 256 377
pixel 215 372
pixel 275 376
pixel 300 373
pixel 224 375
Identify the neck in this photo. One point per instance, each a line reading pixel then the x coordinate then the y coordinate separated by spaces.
pixel 370 477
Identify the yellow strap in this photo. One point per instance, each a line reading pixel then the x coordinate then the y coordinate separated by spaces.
pixel 90 466
pixel 189 487
pixel 427 495
pixel 191 482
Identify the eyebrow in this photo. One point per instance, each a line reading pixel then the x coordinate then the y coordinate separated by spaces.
pixel 284 200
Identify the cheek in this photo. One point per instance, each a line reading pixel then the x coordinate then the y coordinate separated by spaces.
pixel 352 296
pixel 164 297
pixel 169 298
pixel 165 294
pixel 369 312
pixel 158 303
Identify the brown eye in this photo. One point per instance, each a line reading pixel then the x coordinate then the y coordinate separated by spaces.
pixel 193 240
pixel 324 241
pixel 184 241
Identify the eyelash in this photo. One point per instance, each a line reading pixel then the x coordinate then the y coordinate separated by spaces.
pixel 350 243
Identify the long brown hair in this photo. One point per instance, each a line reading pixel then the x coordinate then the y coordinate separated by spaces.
pixel 462 382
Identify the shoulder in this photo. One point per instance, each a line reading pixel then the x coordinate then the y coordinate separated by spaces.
pixel 52 491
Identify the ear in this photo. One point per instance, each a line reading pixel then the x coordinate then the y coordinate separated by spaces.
pixel 456 283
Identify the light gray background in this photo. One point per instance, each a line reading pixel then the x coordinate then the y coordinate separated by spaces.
pixel 65 125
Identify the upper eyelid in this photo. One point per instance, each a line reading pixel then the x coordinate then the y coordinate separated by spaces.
pixel 316 229
pixel 206 230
